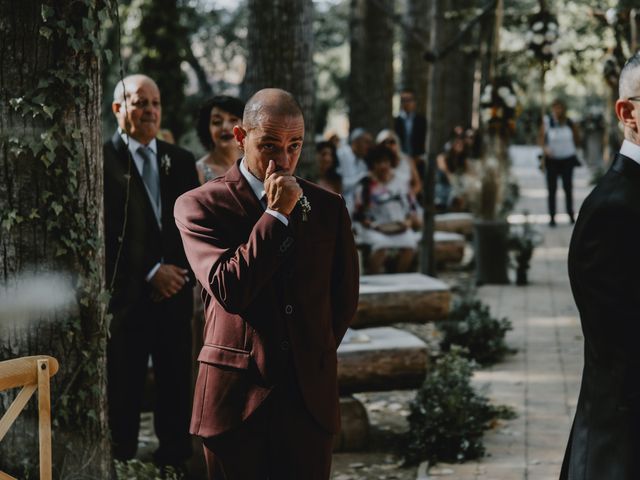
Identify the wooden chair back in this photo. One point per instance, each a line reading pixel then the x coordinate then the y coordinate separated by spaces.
pixel 30 373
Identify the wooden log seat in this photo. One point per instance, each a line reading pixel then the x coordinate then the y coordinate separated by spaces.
pixel 401 297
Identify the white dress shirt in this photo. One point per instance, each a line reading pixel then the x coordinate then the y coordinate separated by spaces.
pixel 352 169
pixel 258 189
pixel 631 150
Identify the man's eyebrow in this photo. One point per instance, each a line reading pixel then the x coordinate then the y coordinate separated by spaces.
pixel 266 138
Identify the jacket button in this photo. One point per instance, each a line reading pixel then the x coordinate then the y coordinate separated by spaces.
pixel 284 345
pixel 288 309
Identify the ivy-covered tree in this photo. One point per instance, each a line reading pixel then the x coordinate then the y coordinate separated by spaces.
pixel 51 224
pixel 280 54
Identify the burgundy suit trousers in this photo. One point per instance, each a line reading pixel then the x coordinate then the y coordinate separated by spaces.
pixel 279 441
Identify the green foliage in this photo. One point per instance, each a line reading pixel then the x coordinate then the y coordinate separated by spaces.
pixel 522 241
pixel 137 470
pixel 470 325
pixel 448 418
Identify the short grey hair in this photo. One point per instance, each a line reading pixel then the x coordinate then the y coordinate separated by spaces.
pixel 123 87
pixel 629 84
pixel 357 133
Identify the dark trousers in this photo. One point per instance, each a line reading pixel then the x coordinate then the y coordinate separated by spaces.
pixel 564 169
pixel 279 441
pixel 162 331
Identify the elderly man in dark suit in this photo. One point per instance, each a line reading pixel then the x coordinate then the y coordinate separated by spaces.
pixel 604 266
pixel 148 274
pixel 277 260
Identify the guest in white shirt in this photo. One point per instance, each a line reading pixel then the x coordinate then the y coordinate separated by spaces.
pixel 351 165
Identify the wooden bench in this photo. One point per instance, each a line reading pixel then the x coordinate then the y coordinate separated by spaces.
pixel 374 359
pixel 382 358
pixel 30 373
pixel 449 247
pixel 401 297
pixel 461 223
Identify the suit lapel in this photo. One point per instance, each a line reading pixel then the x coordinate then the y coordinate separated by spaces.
pixel 164 173
pixel 124 157
pixel 242 192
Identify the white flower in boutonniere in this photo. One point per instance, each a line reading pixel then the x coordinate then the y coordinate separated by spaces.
pixel 305 205
pixel 165 163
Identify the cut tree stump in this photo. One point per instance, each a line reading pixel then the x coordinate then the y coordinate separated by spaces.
pixel 449 247
pixel 401 297
pixel 354 430
pixel 383 358
pixel 461 223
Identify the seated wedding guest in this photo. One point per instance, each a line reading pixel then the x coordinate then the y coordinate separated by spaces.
pixel 328 176
pixel 452 176
pixel 383 216
pixel 333 138
pixel 351 164
pixel 473 143
pixel 405 171
pixel 216 120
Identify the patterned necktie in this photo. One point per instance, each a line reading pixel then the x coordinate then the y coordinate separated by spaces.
pixel 149 174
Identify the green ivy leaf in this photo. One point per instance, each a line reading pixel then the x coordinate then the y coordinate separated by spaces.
pixel 47 12
pixel 46 32
pixel 57 208
pixel 49 110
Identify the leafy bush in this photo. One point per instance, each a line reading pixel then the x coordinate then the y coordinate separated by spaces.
pixel 137 470
pixel 448 418
pixel 470 325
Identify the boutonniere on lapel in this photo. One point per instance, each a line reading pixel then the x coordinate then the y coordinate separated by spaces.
pixel 165 164
pixel 305 205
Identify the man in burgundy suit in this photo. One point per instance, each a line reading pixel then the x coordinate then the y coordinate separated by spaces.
pixel 276 257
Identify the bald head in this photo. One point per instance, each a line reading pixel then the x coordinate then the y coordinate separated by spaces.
pixel 130 84
pixel 136 105
pixel 269 103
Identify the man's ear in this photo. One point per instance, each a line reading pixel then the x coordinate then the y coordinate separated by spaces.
pixel 626 113
pixel 240 134
pixel 115 108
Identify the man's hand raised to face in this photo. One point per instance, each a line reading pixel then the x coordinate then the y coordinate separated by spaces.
pixel 282 190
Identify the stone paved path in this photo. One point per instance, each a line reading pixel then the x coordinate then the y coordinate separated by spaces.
pixel 541 381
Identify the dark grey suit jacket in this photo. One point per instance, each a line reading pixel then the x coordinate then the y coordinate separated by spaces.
pixel 604 269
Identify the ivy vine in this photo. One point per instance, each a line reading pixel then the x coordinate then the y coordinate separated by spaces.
pixel 73 33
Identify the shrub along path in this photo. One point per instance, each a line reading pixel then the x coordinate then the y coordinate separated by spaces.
pixel 541 381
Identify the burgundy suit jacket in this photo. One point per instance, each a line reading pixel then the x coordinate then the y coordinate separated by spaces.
pixel 271 293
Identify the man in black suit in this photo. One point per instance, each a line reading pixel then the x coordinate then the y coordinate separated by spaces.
pixel 410 126
pixel 604 269
pixel 148 274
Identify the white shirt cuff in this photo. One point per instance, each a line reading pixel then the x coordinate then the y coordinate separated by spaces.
pixel 278 215
pixel 152 272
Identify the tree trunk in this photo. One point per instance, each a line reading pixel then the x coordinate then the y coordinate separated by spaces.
pixel 51 255
pixel 160 54
pixel 371 78
pixel 452 76
pixel 415 42
pixel 280 46
pixel 451 79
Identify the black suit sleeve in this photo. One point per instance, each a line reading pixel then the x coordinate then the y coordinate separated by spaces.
pixel 606 280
